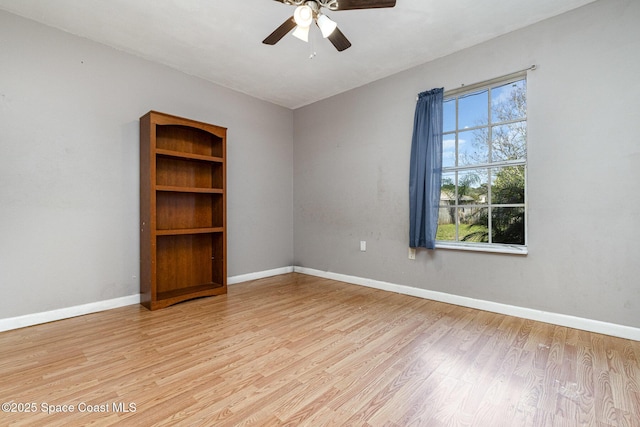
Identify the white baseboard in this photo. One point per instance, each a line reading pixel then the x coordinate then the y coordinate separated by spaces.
pixel 94 307
pixel 258 275
pixel 590 325
pixel 66 313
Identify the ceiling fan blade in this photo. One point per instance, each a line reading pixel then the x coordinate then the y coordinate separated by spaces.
pixel 280 32
pixel 339 40
pixel 364 4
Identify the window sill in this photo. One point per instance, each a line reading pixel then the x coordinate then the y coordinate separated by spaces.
pixel 479 247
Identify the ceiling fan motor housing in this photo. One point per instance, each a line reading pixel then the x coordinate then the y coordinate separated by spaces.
pixel 314 4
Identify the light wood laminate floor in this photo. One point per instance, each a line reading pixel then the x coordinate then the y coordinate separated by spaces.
pixel 299 350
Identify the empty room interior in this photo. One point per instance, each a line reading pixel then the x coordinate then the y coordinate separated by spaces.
pixel 207 221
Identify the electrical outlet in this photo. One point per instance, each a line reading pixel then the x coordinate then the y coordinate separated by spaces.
pixel 363 246
pixel 412 253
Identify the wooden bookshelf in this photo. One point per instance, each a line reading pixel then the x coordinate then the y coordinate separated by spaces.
pixel 183 236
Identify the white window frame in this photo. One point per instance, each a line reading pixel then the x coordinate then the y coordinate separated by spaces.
pixel 477 246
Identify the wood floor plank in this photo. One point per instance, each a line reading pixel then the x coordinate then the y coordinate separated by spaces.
pixel 304 351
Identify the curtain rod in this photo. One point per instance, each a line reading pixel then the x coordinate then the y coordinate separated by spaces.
pixel 465 88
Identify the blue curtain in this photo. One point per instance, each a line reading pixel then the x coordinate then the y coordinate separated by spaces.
pixel 425 174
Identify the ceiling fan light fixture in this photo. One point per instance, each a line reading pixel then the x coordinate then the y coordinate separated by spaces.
pixel 302 33
pixel 308 11
pixel 327 26
pixel 303 16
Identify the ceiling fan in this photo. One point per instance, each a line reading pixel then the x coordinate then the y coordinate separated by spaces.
pixel 309 11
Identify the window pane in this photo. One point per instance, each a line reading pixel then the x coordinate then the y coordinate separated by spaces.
pixel 446 224
pixel 507 225
pixel 448 189
pixel 509 102
pixel 507 185
pixel 449 115
pixel 474 224
pixel 473 110
pixel 509 142
pixel 472 187
pixel 449 150
pixel 483 191
pixel 473 147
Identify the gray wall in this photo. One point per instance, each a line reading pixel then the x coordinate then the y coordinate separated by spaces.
pixel 351 158
pixel 69 197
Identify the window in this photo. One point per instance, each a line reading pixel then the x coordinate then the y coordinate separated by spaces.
pixel 484 164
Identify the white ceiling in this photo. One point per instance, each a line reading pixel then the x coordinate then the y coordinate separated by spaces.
pixel 221 40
